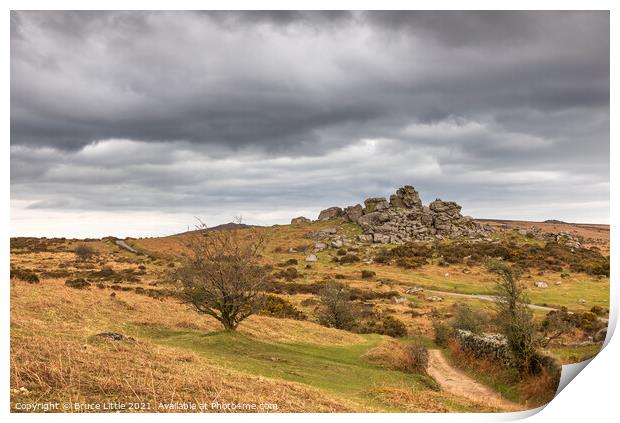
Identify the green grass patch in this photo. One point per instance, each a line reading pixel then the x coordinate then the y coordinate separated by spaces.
pixel 575 353
pixel 338 370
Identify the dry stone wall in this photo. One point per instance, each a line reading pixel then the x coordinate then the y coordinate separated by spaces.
pixel 493 346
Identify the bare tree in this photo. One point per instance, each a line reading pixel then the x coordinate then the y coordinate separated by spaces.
pixel 514 317
pixel 222 275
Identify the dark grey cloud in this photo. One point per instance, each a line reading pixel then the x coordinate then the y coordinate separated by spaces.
pixel 212 110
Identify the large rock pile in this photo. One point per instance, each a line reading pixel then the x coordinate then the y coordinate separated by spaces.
pixel 404 218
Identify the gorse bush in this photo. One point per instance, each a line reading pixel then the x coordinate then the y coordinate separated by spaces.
pixel 276 306
pixel 411 262
pixel 409 256
pixel 85 252
pixel 552 256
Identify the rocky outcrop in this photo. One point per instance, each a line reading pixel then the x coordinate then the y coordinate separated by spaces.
pixel 406 197
pixel 353 213
pixel 300 220
pixel 330 213
pixel 375 204
pixel 404 218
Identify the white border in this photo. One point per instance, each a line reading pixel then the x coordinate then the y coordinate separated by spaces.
pixel 592 396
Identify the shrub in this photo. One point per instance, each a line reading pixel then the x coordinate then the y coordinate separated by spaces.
pixel 289 274
pixel 587 321
pixel 85 252
pixel 383 256
pixel 393 327
pixel 106 272
pixel 368 274
pixel 386 325
pixel 291 262
pixel 412 249
pixel 349 258
pixel 555 324
pixel 467 319
pixel 418 357
pixel 77 283
pixel 443 332
pixel 598 310
pixel 24 275
pixel 276 306
pixel 411 262
pixel 309 302
pixel 337 310
pixel 341 252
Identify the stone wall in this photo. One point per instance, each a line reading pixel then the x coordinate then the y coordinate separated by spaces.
pixel 493 346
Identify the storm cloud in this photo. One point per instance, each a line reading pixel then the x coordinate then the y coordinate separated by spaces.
pixel 121 116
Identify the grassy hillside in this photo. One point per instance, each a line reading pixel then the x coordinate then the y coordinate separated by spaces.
pixel 180 356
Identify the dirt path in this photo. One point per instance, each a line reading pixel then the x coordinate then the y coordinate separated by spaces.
pixel 458 383
pixel 124 245
pixel 492 298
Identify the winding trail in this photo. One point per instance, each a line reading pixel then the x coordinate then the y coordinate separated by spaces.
pixel 485 297
pixel 458 383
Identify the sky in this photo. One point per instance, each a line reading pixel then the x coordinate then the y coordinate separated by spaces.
pixel 136 123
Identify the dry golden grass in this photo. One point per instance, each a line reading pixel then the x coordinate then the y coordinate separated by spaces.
pixel 303 332
pixel 390 354
pixel 539 389
pixel 56 369
pixel 55 357
pixel 33 306
pixel 410 400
